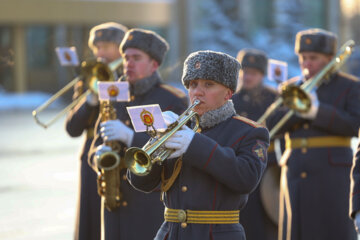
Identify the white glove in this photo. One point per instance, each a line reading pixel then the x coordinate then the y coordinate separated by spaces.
pixel 115 130
pixel 100 150
pixel 357 222
pixel 180 141
pixel 92 99
pixel 311 114
pixel 169 117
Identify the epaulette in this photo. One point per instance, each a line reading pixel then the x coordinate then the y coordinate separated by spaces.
pixel 177 92
pixel 248 121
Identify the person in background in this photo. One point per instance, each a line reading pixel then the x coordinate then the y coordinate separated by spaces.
pixel 104 41
pixel 251 101
pixel 354 211
pixel 316 164
pixel 139 214
pixel 206 181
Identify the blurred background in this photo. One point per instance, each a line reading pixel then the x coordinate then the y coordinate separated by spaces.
pixel 38 185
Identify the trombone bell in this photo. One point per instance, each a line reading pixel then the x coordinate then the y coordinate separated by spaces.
pixel 295 98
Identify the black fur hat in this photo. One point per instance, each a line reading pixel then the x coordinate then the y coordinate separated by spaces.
pixel 316 40
pixel 253 58
pixel 107 32
pixel 217 66
pixel 147 41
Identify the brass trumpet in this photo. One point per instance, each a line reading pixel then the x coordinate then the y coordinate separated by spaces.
pixel 92 71
pixel 297 98
pixel 140 160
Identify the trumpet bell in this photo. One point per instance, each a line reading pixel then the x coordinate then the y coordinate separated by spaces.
pixel 138 161
pixel 296 98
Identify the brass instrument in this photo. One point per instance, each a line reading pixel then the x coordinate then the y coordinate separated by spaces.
pixel 92 71
pixel 297 98
pixel 109 164
pixel 140 160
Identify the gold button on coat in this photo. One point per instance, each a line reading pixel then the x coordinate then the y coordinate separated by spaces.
pixel 184 188
pixel 303 175
pixel 124 177
pixel 127 122
pixel 124 203
pixel 183 225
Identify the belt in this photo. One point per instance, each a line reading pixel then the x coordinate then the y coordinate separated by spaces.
pixel 271 148
pixel 201 217
pixel 317 142
pixel 90 133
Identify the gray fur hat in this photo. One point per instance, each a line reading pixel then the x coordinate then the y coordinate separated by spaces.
pixel 316 40
pixel 147 41
pixel 107 32
pixel 253 58
pixel 217 66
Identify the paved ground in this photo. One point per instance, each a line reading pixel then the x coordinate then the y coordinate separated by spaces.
pixel 38 182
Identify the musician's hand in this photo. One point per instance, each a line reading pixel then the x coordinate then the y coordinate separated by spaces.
pixel 180 141
pixel 92 99
pixel 169 117
pixel 311 114
pixel 357 222
pixel 115 130
pixel 100 150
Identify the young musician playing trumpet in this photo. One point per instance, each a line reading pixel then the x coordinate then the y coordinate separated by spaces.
pixel 208 177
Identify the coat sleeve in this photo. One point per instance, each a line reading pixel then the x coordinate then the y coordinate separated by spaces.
pixel 344 122
pixel 239 167
pixel 81 117
pixel 355 184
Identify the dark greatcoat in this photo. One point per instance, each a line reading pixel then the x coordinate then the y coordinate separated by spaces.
pixel 140 214
pixel 219 170
pixel 355 183
pixel 82 118
pixel 318 180
pixel 256 222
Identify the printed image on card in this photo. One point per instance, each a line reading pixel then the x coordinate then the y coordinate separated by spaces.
pixel 145 117
pixel 67 56
pixel 277 71
pixel 114 91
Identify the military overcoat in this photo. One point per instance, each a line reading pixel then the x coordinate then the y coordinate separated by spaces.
pixel 222 165
pixel 140 214
pixel 317 177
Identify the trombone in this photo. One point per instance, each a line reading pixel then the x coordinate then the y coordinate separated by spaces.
pixel 93 71
pixel 297 98
pixel 140 160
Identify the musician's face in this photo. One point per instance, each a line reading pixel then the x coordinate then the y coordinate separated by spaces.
pixel 250 78
pixel 138 64
pixel 312 63
pixel 108 51
pixel 211 94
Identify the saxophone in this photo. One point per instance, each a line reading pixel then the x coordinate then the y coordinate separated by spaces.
pixel 109 164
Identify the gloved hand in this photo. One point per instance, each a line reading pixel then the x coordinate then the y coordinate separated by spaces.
pixel 100 150
pixel 92 99
pixel 311 114
pixel 115 130
pixel 180 141
pixel 357 222
pixel 169 117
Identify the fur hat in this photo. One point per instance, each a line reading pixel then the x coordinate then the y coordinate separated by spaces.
pixel 147 41
pixel 253 58
pixel 210 65
pixel 316 40
pixel 107 32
